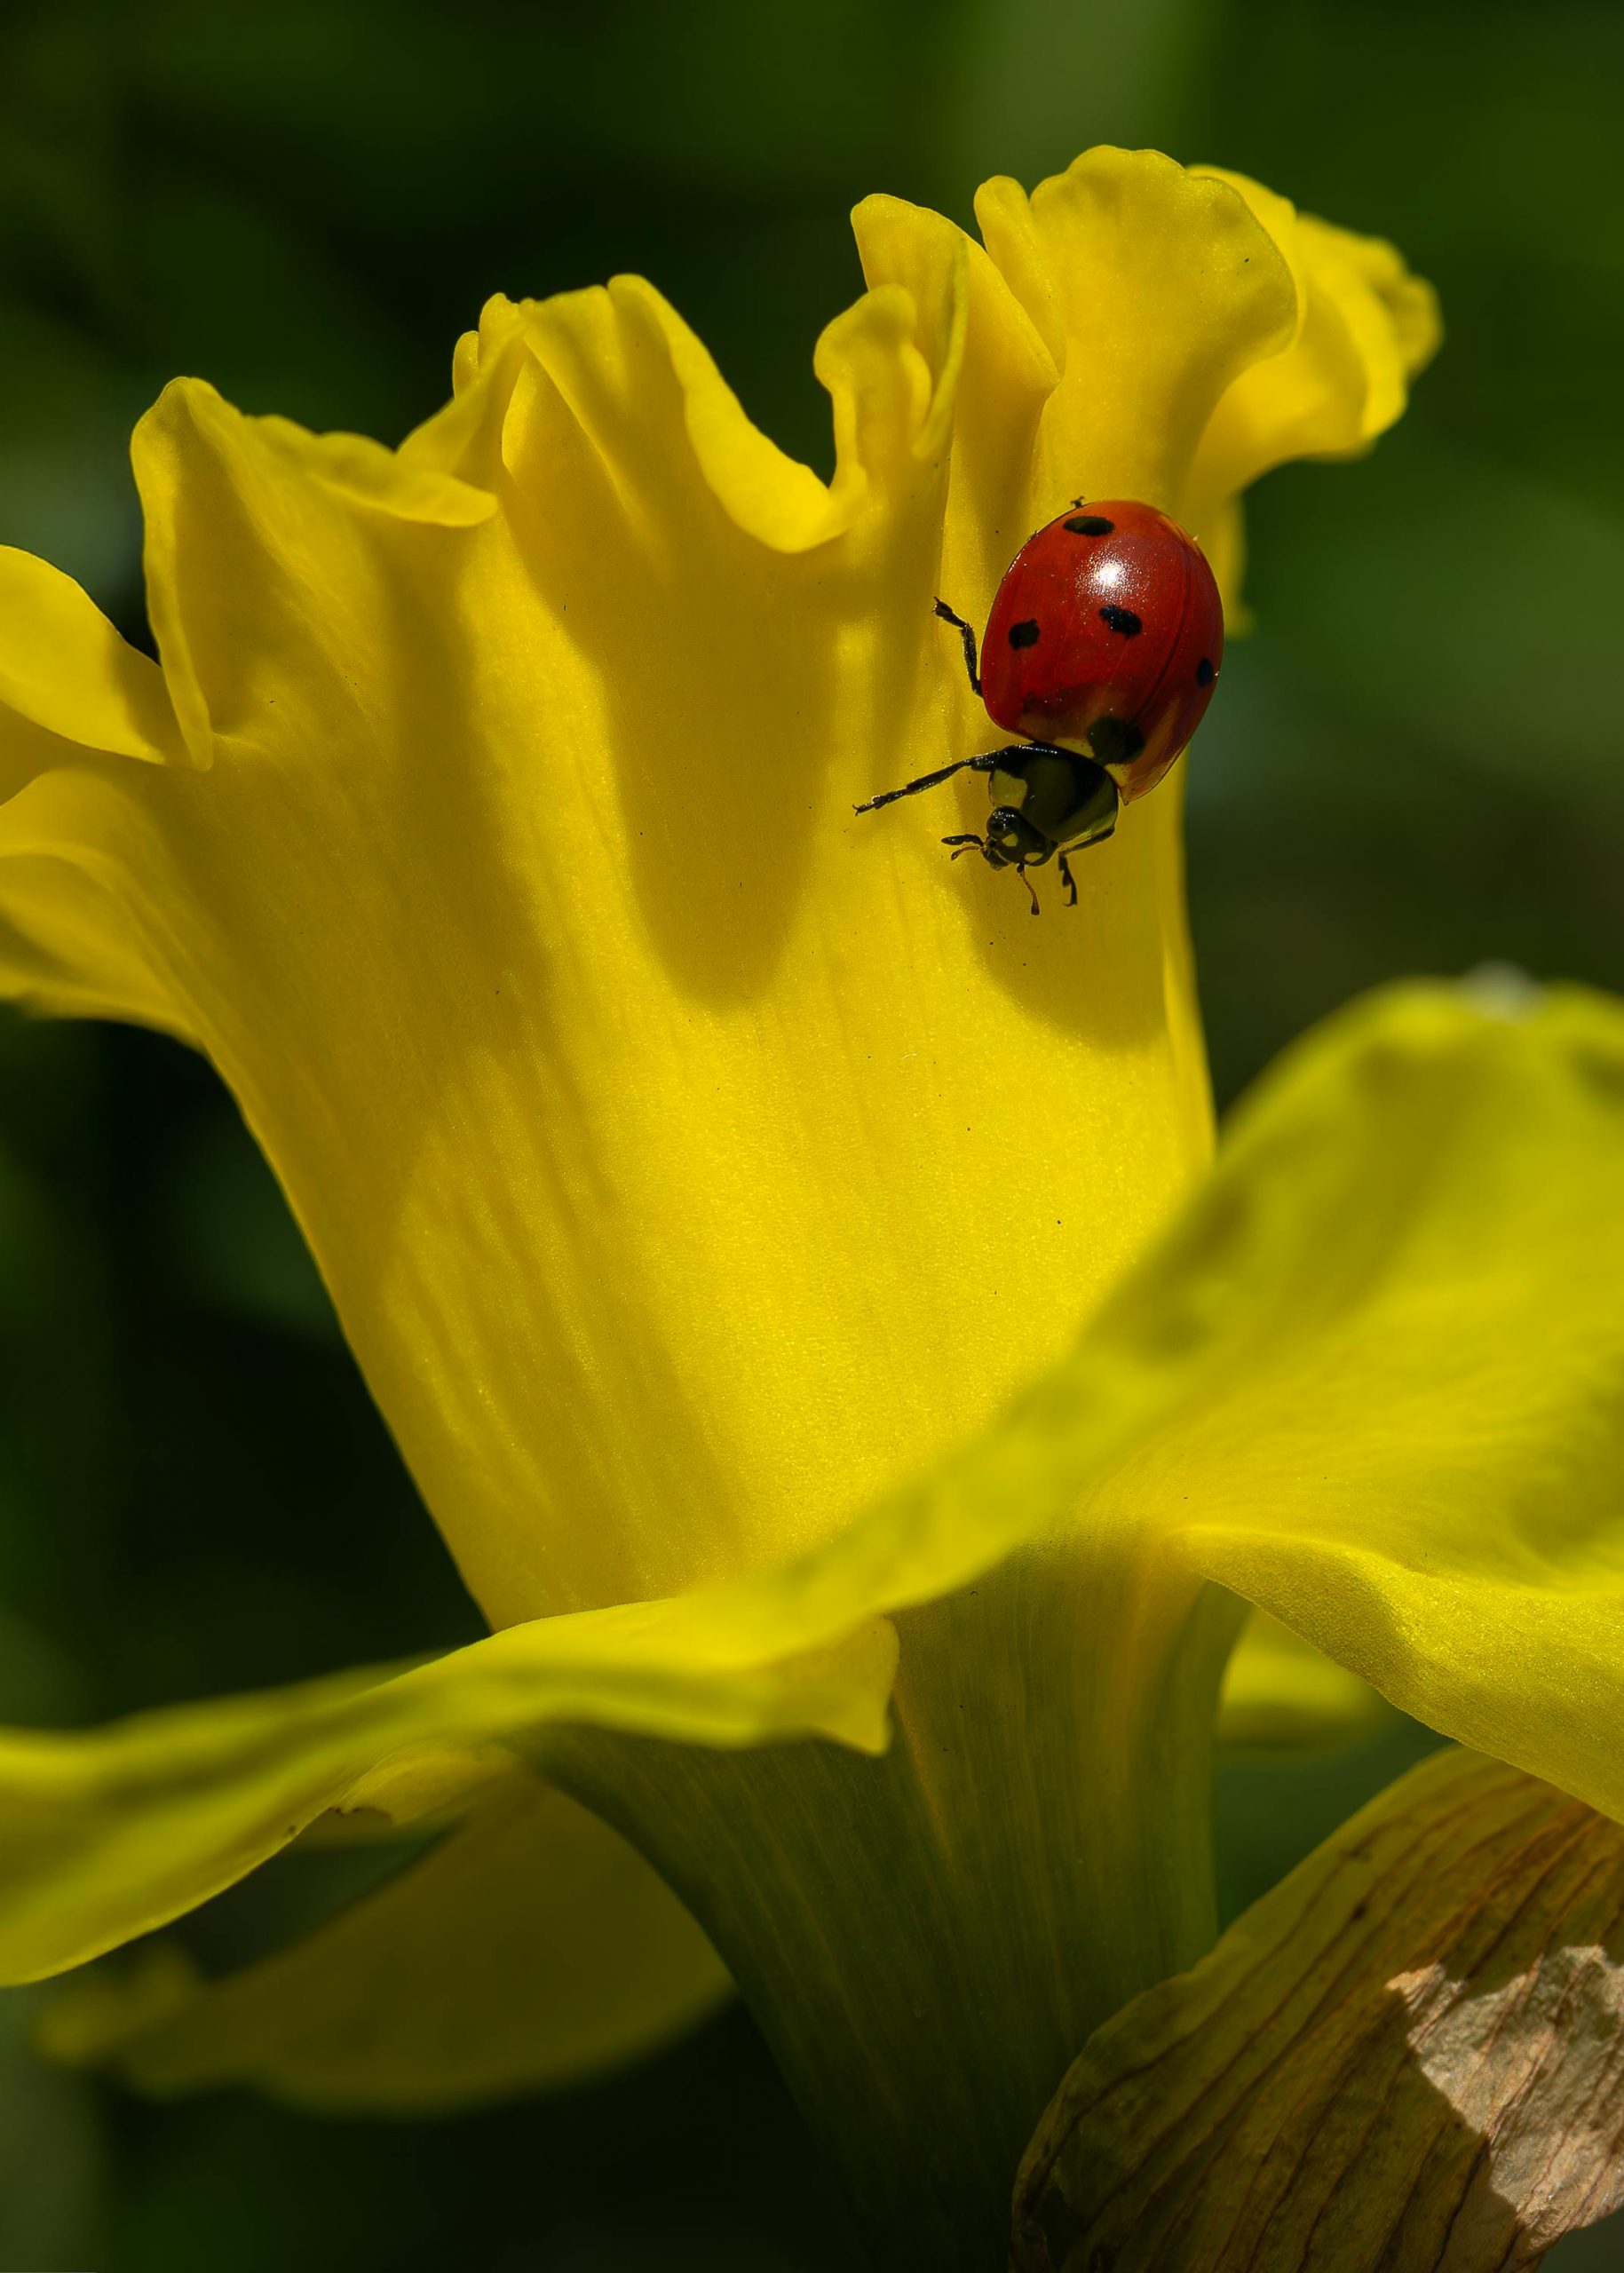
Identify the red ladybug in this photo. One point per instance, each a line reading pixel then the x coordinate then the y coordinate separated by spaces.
pixel 1102 648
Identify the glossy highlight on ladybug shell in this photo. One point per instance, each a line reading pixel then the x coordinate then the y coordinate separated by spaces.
pixel 1106 638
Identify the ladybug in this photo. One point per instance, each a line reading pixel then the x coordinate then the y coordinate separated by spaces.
pixel 1103 646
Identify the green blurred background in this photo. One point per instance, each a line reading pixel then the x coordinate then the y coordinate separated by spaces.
pixel 1413 768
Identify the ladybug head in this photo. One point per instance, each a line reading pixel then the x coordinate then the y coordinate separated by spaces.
pixel 1012 842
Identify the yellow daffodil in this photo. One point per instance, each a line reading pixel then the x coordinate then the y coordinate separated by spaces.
pixel 703 1175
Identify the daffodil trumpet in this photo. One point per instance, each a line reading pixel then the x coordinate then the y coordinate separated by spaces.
pixel 799 1284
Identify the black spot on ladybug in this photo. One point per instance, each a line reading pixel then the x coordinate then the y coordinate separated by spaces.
pixel 1204 672
pixel 1122 620
pixel 1024 634
pixel 1115 741
pixel 1090 525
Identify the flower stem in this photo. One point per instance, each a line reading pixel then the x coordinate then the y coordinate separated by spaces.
pixel 928 1939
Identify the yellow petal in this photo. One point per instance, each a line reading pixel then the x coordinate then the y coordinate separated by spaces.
pixel 83 933
pixel 1280 1694
pixel 75 702
pixel 687 1157
pixel 530 1947
pixel 1364 327
pixel 641 1104
pixel 975 329
pixel 1153 290
pixel 64 667
pixel 1373 1380
pixel 689 1160
pixel 111 1834
pixel 1406 1443
pixel 1370 1379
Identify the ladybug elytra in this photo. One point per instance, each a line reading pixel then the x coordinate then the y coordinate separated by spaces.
pixel 1103 649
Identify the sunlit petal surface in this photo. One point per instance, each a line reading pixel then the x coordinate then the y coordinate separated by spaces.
pixel 694 1162
pixel 688 1158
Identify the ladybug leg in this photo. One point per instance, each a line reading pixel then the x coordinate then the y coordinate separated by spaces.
pixel 1021 872
pixel 1093 819
pixel 984 764
pixel 1064 865
pixel 969 638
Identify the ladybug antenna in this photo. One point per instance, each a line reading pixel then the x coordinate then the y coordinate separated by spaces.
pixel 1021 872
pixel 969 844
